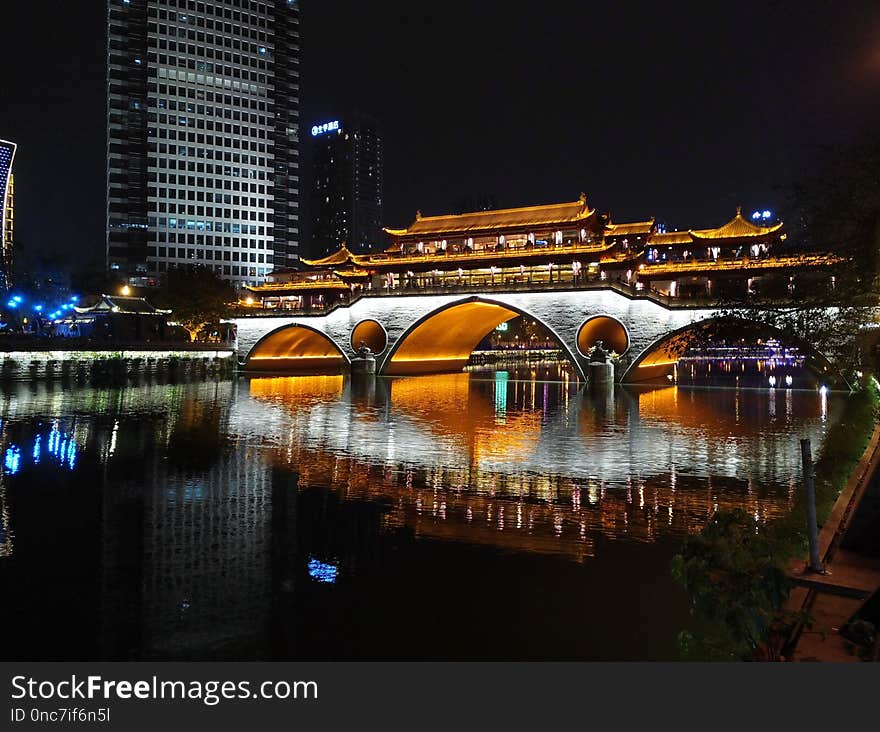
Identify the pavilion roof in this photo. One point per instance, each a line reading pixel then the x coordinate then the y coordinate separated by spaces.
pixel 340 256
pixel 630 229
pixel 119 304
pixel 671 237
pixel 737 228
pixel 554 213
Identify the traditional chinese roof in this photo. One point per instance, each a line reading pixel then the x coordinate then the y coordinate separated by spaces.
pixel 340 256
pixel 118 304
pixel 555 213
pixel 636 228
pixel 671 237
pixel 736 228
pixel 352 274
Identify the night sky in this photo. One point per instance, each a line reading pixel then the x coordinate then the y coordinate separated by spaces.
pixel 678 110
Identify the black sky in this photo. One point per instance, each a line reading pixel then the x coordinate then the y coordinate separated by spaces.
pixel 679 110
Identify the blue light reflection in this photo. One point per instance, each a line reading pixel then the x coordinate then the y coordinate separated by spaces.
pixel 322 572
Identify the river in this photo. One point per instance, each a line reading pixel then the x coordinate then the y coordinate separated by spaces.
pixel 493 514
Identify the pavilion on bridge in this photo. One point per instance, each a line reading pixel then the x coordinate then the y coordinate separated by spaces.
pixel 558 245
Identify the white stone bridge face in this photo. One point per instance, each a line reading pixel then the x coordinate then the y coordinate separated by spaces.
pixel 412 334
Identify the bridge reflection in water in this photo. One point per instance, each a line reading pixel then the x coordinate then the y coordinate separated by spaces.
pixel 289 517
pixel 510 460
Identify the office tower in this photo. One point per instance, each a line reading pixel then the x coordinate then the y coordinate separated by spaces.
pixel 7 190
pixel 346 203
pixel 203 136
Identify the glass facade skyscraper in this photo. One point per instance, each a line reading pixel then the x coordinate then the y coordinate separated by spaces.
pixel 346 202
pixel 203 136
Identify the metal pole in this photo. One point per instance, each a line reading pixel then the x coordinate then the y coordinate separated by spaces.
pixel 815 564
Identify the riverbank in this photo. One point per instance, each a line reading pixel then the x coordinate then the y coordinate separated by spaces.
pixel 827 602
pixel 113 362
pixel 842 450
pixel 739 579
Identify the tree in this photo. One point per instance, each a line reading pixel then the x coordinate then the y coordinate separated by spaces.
pixel 197 297
pixel 737 582
pixel 834 211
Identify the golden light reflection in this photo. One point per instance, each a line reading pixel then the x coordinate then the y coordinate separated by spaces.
pixel 489 480
pixel 452 405
pixel 297 391
pixel 530 513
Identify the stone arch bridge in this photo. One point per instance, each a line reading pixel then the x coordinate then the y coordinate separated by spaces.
pixel 431 333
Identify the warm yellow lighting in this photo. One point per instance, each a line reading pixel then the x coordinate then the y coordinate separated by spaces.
pixel 610 331
pixel 249 301
pixel 300 391
pixel 291 358
pixel 444 341
pixel 125 291
pixel 297 349
pixel 371 333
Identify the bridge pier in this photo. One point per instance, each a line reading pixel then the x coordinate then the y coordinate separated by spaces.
pixel 600 375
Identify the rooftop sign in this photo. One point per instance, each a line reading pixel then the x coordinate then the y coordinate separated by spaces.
pixel 326 127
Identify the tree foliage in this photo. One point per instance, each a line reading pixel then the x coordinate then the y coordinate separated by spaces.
pixel 834 210
pixel 736 581
pixel 837 209
pixel 197 297
pixel 734 569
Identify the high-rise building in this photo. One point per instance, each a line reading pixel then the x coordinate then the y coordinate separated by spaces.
pixel 203 136
pixel 346 202
pixel 7 194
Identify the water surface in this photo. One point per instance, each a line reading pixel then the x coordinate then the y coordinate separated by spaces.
pixel 491 514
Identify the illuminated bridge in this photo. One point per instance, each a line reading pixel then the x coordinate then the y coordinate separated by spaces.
pixel 419 334
pixel 446 282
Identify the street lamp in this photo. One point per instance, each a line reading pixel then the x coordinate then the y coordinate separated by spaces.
pixel 125 291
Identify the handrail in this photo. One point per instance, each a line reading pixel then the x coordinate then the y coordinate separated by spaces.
pixel 446 256
pixel 745 263
pixel 622 288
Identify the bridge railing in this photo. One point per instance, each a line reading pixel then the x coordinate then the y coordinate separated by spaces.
pixel 411 290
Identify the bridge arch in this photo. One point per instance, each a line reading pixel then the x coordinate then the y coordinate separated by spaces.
pixel 656 359
pixel 443 339
pixel 371 332
pixel 296 348
pixel 613 334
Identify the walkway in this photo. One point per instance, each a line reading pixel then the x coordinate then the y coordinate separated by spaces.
pixel 851 577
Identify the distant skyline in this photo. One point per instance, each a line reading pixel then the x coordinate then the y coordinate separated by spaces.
pixel 677 110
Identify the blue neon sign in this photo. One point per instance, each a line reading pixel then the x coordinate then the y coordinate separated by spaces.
pixel 326 127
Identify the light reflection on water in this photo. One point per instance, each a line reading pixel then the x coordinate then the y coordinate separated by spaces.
pixel 172 513
pixel 451 453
